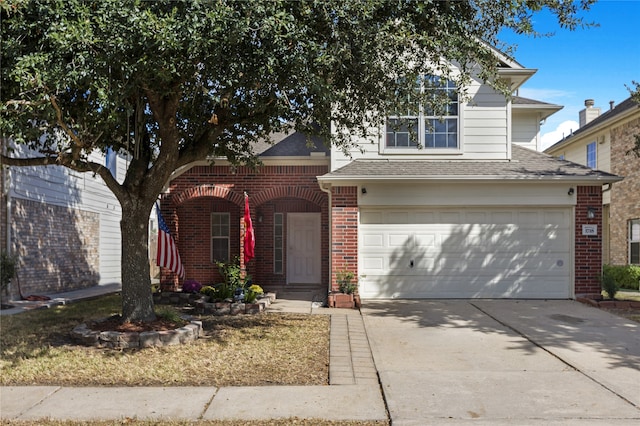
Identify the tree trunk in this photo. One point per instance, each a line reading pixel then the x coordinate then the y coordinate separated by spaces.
pixel 137 299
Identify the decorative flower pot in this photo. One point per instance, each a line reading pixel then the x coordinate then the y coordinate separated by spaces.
pixel 331 300
pixel 344 300
pixel 356 301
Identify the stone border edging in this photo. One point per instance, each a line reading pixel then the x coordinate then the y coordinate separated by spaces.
pixel 179 336
pixel 145 339
pixel 618 304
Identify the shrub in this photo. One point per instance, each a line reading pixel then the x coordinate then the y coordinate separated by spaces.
pixel 209 291
pixel 609 285
pixel 233 280
pixel 7 269
pixel 345 282
pixel 191 286
pixel 625 276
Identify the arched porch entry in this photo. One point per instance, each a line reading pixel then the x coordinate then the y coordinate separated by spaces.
pixel 290 227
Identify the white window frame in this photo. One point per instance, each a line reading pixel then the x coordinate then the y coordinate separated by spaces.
pixel 592 148
pixel 221 237
pixel 634 240
pixel 419 146
pixel 278 231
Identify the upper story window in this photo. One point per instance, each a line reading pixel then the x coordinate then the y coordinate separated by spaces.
pixel 634 241
pixel 436 130
pixel 591 155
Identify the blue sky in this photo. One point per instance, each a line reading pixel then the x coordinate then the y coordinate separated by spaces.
pixel 594 63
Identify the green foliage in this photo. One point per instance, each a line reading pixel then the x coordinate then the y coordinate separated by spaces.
pixel 170 314
pixel 610 285
pixel 209 291
pixel 252 293
pixel 233 279
pixel 635 95
pixel 172 82
pixel 625 276
pixel 7 269
pixel 346 282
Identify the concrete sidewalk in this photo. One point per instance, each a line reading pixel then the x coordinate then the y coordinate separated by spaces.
pixel 353 394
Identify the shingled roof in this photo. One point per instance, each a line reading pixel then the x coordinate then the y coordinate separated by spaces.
pixel 624 106
pixel 525 164
pixel 290 145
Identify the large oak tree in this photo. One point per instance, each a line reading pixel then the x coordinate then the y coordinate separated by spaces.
pixel 171 82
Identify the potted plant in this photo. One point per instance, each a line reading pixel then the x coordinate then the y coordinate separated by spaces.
pixel 347 296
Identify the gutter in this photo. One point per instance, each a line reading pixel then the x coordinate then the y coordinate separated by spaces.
pixel 354 179
pixel 328 191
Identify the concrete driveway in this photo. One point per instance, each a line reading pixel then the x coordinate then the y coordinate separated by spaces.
pixel 504 362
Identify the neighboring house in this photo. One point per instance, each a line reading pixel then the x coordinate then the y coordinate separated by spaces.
pixel 63 227
pixel 473 213
pixel 602 143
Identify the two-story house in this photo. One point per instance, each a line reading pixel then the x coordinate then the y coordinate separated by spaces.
pixel 602 142
pixel 468 210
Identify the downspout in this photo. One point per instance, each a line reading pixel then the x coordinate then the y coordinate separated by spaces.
pixel 6 181
pixel 328 191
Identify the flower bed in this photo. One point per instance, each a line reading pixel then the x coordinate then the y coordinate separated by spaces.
pixel 145 339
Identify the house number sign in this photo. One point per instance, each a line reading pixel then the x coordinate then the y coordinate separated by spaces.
pixel 589 229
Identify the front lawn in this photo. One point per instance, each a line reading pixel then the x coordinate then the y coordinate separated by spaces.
pixel 244 350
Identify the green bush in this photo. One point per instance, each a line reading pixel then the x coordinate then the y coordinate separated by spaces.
pixel 7 269
pixel 610 285
pixel 625 276
pixel 346 282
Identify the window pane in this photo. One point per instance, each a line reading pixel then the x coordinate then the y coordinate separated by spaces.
pixel 438 129
pixel 591 155
pixel 278 243
pixel 402 133
pixel 634 241
pixel 220 237
pixel 441 134
pixel 634 230
pixel 220 249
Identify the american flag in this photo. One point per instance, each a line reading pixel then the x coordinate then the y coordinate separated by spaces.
pixel 167 256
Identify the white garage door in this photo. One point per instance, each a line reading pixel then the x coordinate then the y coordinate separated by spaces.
pixel 466 253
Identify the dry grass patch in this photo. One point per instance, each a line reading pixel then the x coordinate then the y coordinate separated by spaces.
pixel 245 350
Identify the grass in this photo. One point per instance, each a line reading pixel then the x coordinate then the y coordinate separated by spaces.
pixel 265 349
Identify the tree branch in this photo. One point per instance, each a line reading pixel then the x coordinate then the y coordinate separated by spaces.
pixel 69 162
pixel 78 144
pixel 24 162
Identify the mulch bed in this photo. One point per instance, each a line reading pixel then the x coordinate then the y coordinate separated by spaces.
pixel 115 323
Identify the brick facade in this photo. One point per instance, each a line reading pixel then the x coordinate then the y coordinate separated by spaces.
pixel 58 247
pixel 203 190
pixel 196 194
pixel 625 195
pixel 588 248
pixel 344 231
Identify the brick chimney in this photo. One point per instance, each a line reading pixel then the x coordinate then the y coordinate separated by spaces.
pixel 588 114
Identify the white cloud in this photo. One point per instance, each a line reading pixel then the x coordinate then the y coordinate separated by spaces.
pixel 545 95
pixel 564 129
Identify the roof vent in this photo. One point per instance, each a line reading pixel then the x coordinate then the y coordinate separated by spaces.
pixel 611 104
pixel 589 103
